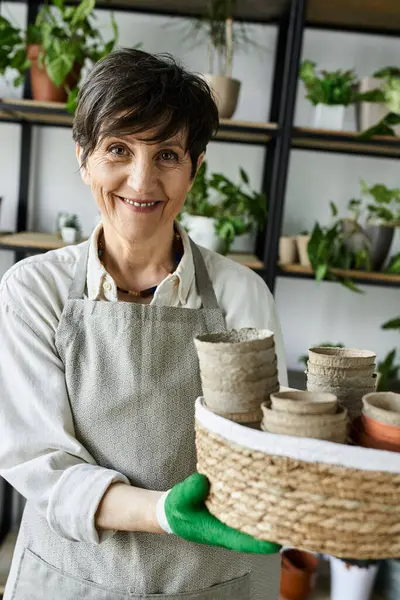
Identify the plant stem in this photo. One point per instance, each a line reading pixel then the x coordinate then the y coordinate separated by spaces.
pixel 229 46
pixel 210 58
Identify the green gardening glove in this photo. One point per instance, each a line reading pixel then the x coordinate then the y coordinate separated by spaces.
pixel 188 517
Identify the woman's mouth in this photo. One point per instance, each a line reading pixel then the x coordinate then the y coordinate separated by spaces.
pixel 139 206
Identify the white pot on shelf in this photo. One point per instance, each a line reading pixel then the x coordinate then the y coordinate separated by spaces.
pixel 69 235
pixel 370 113
pixel 245 244
pixel 202 231
pixel 226 92
pixel 329 117
pixel 350 582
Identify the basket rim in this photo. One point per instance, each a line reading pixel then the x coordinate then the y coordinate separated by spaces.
pixel 304 449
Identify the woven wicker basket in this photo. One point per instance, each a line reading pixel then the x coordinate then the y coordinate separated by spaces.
pixel 315 495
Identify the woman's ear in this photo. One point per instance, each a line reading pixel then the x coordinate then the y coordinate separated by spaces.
pixel 200 160
pixel 83 170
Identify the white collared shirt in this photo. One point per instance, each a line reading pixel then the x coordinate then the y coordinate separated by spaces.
pixel 39 453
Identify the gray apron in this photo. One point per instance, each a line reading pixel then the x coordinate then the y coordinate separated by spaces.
pixel 132 378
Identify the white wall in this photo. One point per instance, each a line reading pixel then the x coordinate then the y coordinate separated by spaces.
pixel 309 313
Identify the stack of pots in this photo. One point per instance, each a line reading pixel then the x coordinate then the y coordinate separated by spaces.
pixel 306 414
pixel 345 372
pixel 379 425
pixel 238 370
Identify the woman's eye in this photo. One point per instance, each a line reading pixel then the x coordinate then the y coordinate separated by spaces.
pixel 168 155
pixel 118 150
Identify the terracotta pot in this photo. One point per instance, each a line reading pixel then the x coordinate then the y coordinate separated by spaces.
pixel 381 431
pixel 361 438
pixel 43 88
pixel 383 407
pixel 298 574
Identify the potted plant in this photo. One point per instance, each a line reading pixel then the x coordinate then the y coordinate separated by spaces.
pixel 217 25
pixel 352 579
pixel 381 212
pixel 55 48
pixel 330 92
pixel 379 108
pixel 234 210
pixel 70 230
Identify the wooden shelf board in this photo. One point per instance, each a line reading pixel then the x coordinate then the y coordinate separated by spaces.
pixel 344 141
pixel 357 14
pixel 54 113
pixel 43 242
pixel 352 274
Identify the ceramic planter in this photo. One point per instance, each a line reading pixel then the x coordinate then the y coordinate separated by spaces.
pixel 226 93
pixel 43 88
pixel 246 243
pixel 302 249
pixel 298 574
pixel 202 231
pixel 69 235
pixel 350 582
pixel 287 250
pixel 381 238
pixel 370 113
pixel 329 117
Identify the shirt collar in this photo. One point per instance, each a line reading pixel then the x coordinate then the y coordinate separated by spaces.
pixel 97 276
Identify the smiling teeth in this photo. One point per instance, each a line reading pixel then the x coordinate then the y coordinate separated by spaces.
pixel 138 204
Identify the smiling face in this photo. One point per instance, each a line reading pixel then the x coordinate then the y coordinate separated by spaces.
pixel 139 185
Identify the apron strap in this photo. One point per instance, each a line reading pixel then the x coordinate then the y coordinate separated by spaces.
pixel 204 285
pixel 77 288
pixel 203 282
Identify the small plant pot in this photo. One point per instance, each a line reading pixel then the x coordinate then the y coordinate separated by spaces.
pixel 298 574
pixel 221 356
pixel 302 249
pixel 226 93
pixel 329 117
pixel 370 113
pixel 341 357
pixel 245 243
pixel 353 383
pixel 362 438
pixel 381 238
pixel 69 235
pixel 383 407
pixel 43 88
pixel 202 231
pixel 339 373
pixel 287 250
pixel 350 582
pixel 381 431
pixel 330 427
pixel 307 403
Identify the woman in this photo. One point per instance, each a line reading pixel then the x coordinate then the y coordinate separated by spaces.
pixel 98 370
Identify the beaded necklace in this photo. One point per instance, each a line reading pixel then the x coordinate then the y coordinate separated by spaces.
pixel 178 253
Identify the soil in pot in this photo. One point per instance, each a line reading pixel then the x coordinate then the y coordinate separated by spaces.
pixel 298 574
pixel 43 88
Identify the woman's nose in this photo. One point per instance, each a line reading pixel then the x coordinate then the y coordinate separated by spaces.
pixel 142 176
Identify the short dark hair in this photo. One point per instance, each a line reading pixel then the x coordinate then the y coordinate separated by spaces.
pixel 131 91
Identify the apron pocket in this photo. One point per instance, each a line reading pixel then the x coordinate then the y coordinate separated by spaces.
pixel 38 580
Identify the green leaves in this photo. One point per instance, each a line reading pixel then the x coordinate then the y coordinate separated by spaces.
pixel 236 208
pixel 389 370
pixel 392 324
pixel 394 265
pixel 385 205
pixel 332 88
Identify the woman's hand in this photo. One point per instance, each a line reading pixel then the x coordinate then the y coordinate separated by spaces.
pixel 189 518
